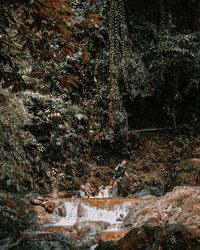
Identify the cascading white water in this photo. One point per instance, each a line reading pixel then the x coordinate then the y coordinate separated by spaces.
pixel 90 220
pixel 70 219
pixel 78 210
pixel 113 216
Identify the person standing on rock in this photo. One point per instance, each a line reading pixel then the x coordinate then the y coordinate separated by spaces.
pixel 120 171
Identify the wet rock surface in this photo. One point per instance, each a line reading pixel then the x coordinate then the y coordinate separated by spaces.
pixel 154 238
pixel 169 237
pixel 181 206
pixel 60 210
pixel 36 202
pixel 13 218
pixel 58 241
pixel 147 222
pixel 49 206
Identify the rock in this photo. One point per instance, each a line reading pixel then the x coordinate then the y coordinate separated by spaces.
pixel 60 211
pixel 181 206
pixel 149 191
pixel 59 229
pixel 62 194
pixel 89 229
pixel 148 222
pixel 15 216
pixel 36 202
pixel 110 235
pixel 49 206
pixel 41 198
pixel 108 245
pixel 42 216
pixel 196 152
pixel 43 241
pixel 154 238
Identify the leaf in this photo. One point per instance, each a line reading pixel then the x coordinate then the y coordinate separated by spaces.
pixel 38 74
pixel 66 32
pixel 69 81
pixel 11 17
pixel 80 116
pixel 3 30
pixel 86 56
pixel 18 187
pixel 93 20
pixel 8 182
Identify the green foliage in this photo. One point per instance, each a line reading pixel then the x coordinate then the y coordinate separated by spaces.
pixel 169 60
pixel 173 64
pixel 136 76
pixel 15 166
pixel 38 132
pixel 55 55
pixel 164 64
pixel 45 59
pixel 41 47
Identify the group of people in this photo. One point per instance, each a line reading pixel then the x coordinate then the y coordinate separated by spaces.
pixel 88 191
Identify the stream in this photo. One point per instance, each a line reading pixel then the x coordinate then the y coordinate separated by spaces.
pixel 44 222
pixel 92 220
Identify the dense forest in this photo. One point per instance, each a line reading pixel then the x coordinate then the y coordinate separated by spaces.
pixel 85 84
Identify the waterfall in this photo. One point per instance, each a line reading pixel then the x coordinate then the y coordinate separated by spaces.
pixel 71 208
pixel 92 220
pixel 103 214
pixel 80 210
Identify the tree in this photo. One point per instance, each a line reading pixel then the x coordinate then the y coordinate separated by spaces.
pixel 39 43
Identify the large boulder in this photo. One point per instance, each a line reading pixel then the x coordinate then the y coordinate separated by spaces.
pixel 42 241
pixel 168 222
pixel 148 222
pixel 157 238
pixel 181 206
pixel 15 216
pixel 153 238
pixel 49 206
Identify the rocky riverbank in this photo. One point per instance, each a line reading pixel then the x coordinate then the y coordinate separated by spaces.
pixel 167 222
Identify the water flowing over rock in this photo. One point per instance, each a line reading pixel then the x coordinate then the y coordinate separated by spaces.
pixel 109 210
pixel 149 222
pixel 49 206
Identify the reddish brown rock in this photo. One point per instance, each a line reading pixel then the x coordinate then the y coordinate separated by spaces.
pixel 181 206
pixel 114 235
pixel 58 229
pixel 154 238
pixel 157 223
pixel 36 202
pixel 62 194
pixel 42 216
pixel 49 206
pixel 157 238
pixel 86 229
